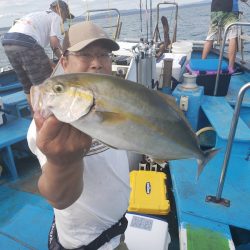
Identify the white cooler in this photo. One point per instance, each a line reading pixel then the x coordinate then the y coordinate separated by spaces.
pixel 146 233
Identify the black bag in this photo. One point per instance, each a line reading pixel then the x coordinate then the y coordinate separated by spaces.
pixel 106 236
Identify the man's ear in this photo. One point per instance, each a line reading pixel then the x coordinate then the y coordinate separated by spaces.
pixel 64 62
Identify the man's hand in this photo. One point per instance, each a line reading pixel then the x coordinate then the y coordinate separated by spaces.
pixel 61 182
pixel 60 142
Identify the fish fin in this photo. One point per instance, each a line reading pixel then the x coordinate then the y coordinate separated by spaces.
pixel 110 117
pixel 208 155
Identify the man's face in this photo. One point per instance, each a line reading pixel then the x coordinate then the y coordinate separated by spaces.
pixel 95 58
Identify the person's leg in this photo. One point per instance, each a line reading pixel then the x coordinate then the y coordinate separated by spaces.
pixel 232 48
pixel 206 49
pixel 232 35
pixel 213 30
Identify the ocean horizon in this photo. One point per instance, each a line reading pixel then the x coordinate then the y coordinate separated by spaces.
pixel 193 22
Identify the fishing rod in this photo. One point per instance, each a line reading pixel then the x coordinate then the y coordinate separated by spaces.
pixel 147 18
pixel 141 14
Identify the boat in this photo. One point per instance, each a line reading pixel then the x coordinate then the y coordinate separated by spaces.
pixel 210 213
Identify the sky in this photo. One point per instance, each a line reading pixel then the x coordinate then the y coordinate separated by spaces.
pixel 13 9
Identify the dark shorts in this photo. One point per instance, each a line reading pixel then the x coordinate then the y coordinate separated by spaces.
pixel 32 65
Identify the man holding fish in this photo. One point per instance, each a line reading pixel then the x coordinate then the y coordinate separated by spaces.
pixel 91 196
pixel 85 181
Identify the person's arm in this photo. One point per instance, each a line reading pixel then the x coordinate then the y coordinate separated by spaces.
pixel 55 46
pixel 61 181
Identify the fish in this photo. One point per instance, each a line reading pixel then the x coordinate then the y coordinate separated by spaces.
pixel 121 114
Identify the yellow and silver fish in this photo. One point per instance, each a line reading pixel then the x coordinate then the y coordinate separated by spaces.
pixel 121 114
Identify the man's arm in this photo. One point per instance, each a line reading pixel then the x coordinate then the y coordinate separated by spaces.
pixel 61 182
pixel 55 46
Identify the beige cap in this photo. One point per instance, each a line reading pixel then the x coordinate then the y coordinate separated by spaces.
pixel 84 33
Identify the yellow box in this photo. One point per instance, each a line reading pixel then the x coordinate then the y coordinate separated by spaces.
pixel 148 193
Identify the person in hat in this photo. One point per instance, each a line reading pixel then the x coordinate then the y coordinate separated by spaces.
pixel 86 182
pixel 24 43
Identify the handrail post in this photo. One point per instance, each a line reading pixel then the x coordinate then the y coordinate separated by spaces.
pixel 217 198
pixel 176 16
pixel 222 51
pixel 117 32
pixel 231 137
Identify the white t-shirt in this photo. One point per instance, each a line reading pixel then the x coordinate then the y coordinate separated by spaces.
pixel 40 25
pixel 103 201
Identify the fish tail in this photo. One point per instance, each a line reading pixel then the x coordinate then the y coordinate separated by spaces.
pixel 208 155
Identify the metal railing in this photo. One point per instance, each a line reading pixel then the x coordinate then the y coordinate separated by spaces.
pixel 222 52
pixel 175 22
pixel 217 198
pixel 118 24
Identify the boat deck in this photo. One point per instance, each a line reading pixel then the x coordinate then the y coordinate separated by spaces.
pixel 25 217
pixel 199 219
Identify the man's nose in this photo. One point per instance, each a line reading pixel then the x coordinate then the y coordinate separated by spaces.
pixel 96 62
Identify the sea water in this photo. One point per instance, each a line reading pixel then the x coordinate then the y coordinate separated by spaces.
pixel 193 21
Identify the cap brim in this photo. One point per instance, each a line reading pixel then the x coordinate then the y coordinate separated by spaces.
pixel 108 43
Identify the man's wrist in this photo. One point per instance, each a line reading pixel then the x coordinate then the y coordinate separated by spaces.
pixel 58 51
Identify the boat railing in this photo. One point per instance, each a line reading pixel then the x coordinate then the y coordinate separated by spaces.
pixel 118 24
pixel 238 24
pixel 155 37
pixel 217 198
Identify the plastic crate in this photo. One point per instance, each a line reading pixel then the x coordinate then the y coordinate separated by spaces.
pixel 206 71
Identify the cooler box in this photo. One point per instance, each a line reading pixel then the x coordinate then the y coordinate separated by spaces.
pixel 148 193
pixel 206 70
pixel 146 232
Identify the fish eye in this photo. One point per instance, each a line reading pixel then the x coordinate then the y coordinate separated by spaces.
pixel 58 88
